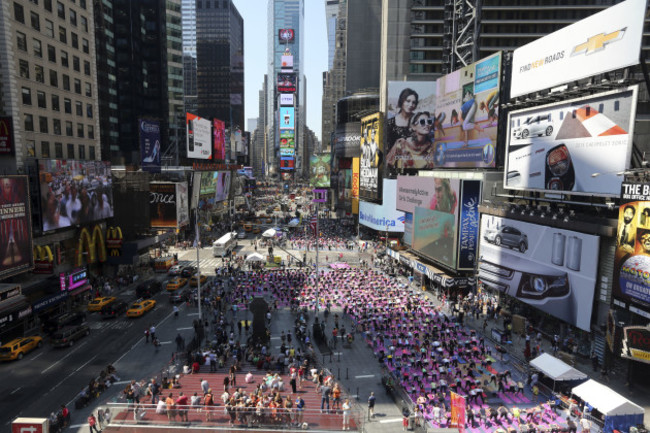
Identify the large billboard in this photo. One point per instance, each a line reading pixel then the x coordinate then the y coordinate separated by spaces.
pixel 435 223
pixel 372 156
pixel 218 140
pixel 319 170
pixel 162 204
pixel 410 117
pixel 286 120
pixel 347 140
pixel 468 224
pixel 287 163
pixel 16 254
pixel 286 99
pixel 74 192
pixel 199 143
pixel 286 35
pixel 575 146
pixel 208 183
pixel 550 269
pixel 150 145
pixel 466 117
pixel 607 40
pixel 383 217
pixel 286 82
pixel 632 257
pixel 6 136
pixel 222 186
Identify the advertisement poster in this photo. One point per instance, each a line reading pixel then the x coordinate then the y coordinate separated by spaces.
pixel 198 137
pixel 162 204
pixel 286 82
pixel 410 123
pixel 222 186
pixel 16 254
pixel 287 139
pixel 74 192
pixel 605 41
pixel 372 156
pixel 636 343
pixel 286 35
pixel 383 217
pixel 150 145
pixel 6 136
pixel 347 140
pixel 286 63
pixel 286 99
pixel 182 208
pixel 434 235
pixel 209 182
pixel 632 257
pixel 469 224
pixel 286 118
pixel 319 169
pixel 575 146
pixel 435 193
pixel 287 163
pixel 356 184
pixel 466 117
pixel 550 269
pixel 218 140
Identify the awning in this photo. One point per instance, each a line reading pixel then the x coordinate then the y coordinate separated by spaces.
pixel 255 257
pixel 605 400
pixel 81 289
pixel 556 369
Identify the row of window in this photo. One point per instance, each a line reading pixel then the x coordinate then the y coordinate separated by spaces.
pixel 46 150
pixel 44 127
pixel 19 12
pixel 37 48
pixel 39 76
pixel 41 102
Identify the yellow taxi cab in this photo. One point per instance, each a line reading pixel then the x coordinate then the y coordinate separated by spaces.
pixel 176 283
pixel 137 309
pixel 248 227
pixel 98 303
pixel 19 347
pixel 194 282
pixel 256 230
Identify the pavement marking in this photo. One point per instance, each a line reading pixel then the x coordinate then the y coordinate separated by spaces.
pixel 193 314
pixel 275 338
pixel 364 376
pixel 386 421
pixel 76 425
pixel 337 353
pixel 38 356
pixel 165 342
pixel 184 329
pixel 122 382
pixel 15 390
pixel 69 353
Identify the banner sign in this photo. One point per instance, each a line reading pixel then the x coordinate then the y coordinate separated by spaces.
pixel 636 343
pixel 218 140
pixel 16 254
pixel 182 208
pixel 632 257
pixel 150 145
pixel 605 41
pixel 372 155
pixel 469 225
pixel 198 137
pixel 383 217
pixel 222 186
pixel 162 204
pixel 319 167
pixel 550 269
pixel 577 146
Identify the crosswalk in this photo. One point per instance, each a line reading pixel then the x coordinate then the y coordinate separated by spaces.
pixel 116 325
pixel 207 265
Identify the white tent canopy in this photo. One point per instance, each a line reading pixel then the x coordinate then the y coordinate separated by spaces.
pixel 294 222
pixel 606 400
pixel 556 369
pixel 255 257
pixel 270 233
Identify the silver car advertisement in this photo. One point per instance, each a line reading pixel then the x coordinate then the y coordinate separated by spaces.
pixel 550 269
pixel 577 146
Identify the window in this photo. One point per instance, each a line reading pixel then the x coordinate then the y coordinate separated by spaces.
pixel 64 59
pixel 45 149
pixel 42 124
pixel 84 24
pixel 79 108
pixel 82 3
pixel 60 10
pixel 66 82
pixel 55 103
pixel 92 149
pixel 35 20
pixel 77 86
pixel 73 18
pixel 89 111
pixel 80 130
pixel 29 122
pixel 70 151
pixel 48 5
pixel 63 35
pixel 75 63
pixel 82 151
pixel 19 13
pixel 86 67
pixel 89 90
pixel 75 40
pixel 67 105
pixel 68 128
pixel 58 150
pixel 49 28
pixel 21 41
pixel 27 96
pixel 38 49
pixel 56 126
pixel 41 100
pixel 51 53
pixel 91 134
pixel 31 148
pixel 85 46
pixel 54 78
pixel 39 73
pixel 23 66
pixel 34 1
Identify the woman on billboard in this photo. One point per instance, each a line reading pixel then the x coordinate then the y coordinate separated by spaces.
pixel 417 150
pixel 400 126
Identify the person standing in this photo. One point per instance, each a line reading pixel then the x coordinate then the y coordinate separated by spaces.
pixel 152 332
pixel 92 423
pixel 371 405
pixel 205 386
pixel 325 398
pixel 585 424
pixel 171 407
pixel 181 404
pixel 300 407
pixel 346 414
pixel 572 426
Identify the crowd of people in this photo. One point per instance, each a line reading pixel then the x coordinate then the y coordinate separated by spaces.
pixel 332 236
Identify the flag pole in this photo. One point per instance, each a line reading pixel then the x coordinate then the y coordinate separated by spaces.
pixel 198 266
pixel 317 271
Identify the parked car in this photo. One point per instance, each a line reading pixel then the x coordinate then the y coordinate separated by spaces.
pixel 114 309
pixel 188 271
pixel 148 288
pixel 67 336
pixel 98 303
pixel 55 323
pixel 19 347
pixel 140 307
pixel 175 270
pixel 507 236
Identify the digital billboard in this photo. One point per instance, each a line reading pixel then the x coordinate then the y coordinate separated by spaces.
pixel 286 35
pixel 319 170
pixel 347 140
pixel 199 144
pixel 287 151
pixel 287 163
pixel 372 157
pixel 427 192
pixel 162 204
pixel 286 99
pixel 16 253
pixel 222 186
pixel 575 146
pixel 286 63
pixel 410 117
pixel 74 192
pixel 150 145
pixel 182 208
pixel 286 82
pixel 605 41
pixel 218 140
pixel 551 269
pixel 287 118
pixel 383 217
pixel 287 138
pixel 208 183
pixel 6 136
pixel 632 256
pixel 466 117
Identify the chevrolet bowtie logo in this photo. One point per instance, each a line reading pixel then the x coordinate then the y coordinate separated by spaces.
pixel 597 42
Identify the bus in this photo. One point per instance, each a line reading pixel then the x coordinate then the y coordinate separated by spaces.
pixel 224 245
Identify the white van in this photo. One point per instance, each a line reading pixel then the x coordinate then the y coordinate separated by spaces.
pixel 223 246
